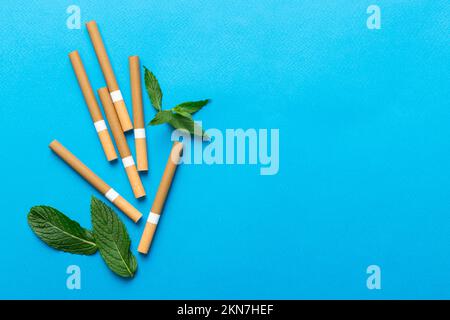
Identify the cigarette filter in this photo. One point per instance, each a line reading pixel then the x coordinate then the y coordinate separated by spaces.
pixel 160 198
pixel 121 143
pixel 95 181
pixel 94 109
pixel 110 78
pixel 138 114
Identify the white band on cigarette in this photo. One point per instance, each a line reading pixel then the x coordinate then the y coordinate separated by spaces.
pixel 128 161
pixel 153 218
pixel 116 96
pixel 139 133
pixel 111 195
pixel 100 125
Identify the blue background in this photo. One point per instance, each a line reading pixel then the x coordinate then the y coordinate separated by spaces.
pixel 364 123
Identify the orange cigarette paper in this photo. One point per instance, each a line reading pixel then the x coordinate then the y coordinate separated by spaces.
pixel 138 114
pixel 160 198
pixel 95 181
pixel 94 109
pixel 109 76
pixel 122 145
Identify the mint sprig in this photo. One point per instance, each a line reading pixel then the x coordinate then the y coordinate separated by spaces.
pixel 191 107
pixel 180 116
pixel 109 236
pixel 60 232
pixel 161 117
pixel 112 239
pixel 153 89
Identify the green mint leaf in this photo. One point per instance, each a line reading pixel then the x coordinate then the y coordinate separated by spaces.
pixel 60 232
pixel 112 239
pixel 153 89
pixel 179 121
pixel 161 117
pixel 191 107
pixel 183 113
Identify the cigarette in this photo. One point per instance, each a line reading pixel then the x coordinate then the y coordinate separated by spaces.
pixel 138 114
pixel 109 76
pixel 94 109
pixel 160 198
pixel 95 181
pixel 121 143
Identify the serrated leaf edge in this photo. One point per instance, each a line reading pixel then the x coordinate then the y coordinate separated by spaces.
pixel 57 228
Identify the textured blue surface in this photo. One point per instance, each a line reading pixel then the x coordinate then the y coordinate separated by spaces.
pixel 364 123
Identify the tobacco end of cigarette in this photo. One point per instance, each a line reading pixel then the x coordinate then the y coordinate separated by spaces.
pixel 107 145
pixel 91 23
pixel 133 62
pixel 142 250
pixel 178 146
pixel 124 117
pixel 73 53
pixel 53 144
pixel 137 218
pixel 102 90
pixel 111 158
pixel 128 209
pixel 176 152
pixel 147 237
pixel 135 180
